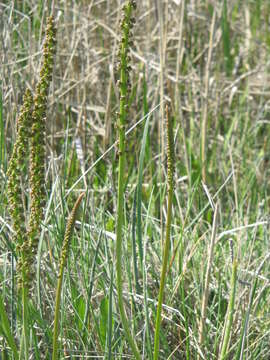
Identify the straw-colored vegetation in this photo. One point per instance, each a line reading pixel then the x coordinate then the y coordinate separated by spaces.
pixel 165 253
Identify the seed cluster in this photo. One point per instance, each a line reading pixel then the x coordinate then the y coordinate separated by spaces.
pixel 14 173
pixel 31 129
pixel 37 143
pixel 124 60
pixel 170 149
pixel 124 88
pixel 68 234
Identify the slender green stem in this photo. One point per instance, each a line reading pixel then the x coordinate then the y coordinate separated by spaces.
pixel 63 260
pixel 230 311
pixel 207 278
pixel 205 108
pixel 25 297
pixel 119 259
pixel 163 274
pixel 56 314
pixel 166 249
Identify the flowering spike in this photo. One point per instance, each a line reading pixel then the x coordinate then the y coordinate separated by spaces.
pixel 37 144
pixel 14 174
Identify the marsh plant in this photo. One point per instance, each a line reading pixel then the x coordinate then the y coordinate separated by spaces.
pixel 29 151
pixel 166 246
pixel 120 253
pixel 30 144
pixel 124 89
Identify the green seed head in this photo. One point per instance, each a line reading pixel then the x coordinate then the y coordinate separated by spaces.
pixel 123 56
pixel 170 148
pixel 68 234
pixel 14 173
pixel 37 145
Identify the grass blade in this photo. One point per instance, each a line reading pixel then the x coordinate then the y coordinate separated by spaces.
pixel 6 329
pixel 229 317
pixel 139 191
pixel 64 256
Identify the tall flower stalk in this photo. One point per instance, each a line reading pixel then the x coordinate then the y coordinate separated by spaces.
pixel 15 195
pixel 31 129
pixel 124 68
pixel 14 174
pixel 30 137
pixel 170 181
pixel 37 142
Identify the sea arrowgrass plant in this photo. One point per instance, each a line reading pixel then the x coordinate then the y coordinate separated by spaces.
pixel 37 142
pixel 14 174
pixel 15 195
pixel 30 129
pixel 241 186
pixel 124 69
pixel 166 248
pixel 63 261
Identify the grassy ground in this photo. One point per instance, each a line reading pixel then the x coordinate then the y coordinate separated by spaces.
pixel 211 65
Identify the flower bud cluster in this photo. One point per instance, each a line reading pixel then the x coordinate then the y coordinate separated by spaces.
pixel 31 129
pixel 37 144
pixel 170 149
pixel 68 235
pixel 124 59
pixel 16 164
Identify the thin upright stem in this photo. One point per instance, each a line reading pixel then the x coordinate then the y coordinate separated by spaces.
pixel 63 261
pixel 205 108
pixel 126 27
pixel 170 173
pixel 230 311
